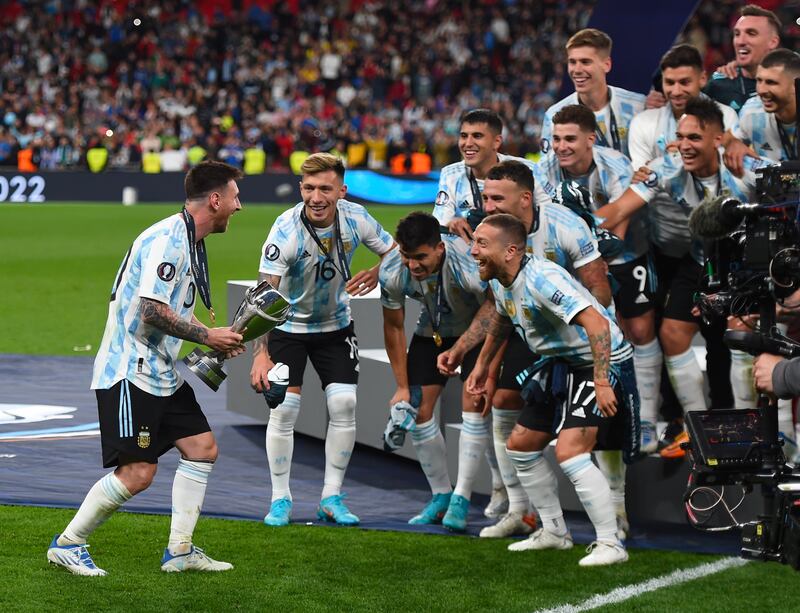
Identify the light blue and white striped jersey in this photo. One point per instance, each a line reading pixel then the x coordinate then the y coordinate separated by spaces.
pixel 309 281
pixel 157 266
pixel 607 181
pixel 542 302
pixel 562 237
pixel 653 129
pixel 687 192
pixel 762 131
pixel 650 133
pixel 624 104
pixel 464 291
pixel 454 198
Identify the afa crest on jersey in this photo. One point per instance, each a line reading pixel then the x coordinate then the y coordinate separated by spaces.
pixel 143 440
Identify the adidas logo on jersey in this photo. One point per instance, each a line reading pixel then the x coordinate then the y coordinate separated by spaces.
pixel 579 412
pixel 766 147
pixel 306 254
pixel 641 299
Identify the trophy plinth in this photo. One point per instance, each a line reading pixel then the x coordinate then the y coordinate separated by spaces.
pixel 262 309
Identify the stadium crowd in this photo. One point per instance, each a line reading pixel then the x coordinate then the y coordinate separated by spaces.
pixel 369 79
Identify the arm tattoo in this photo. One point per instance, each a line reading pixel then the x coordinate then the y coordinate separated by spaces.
pixel 159 315
pixel 594 277
pixel 260 344
pixel 601 351
pixel 497 331
pixel 476 333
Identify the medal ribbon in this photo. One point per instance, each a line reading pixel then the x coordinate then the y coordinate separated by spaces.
pixel 436 315
pixel 612 127
pixel 337 233
pixel 199 263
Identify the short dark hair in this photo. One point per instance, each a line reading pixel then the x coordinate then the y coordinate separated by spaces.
pixel 591 37
pixel 682 55
pixel 417 229
pixel 208 176
pixel 576 113
pixel 512 170
pixel 512 229
pixel 706 111
pixel 782 57
pixel 487 116
pixel 751 10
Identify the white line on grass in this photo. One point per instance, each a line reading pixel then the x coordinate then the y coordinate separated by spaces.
pixel 651 585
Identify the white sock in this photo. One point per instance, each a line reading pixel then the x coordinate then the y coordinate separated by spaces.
pixel 471 445
pixel 595 496
pixel 785 418
pixel 687 380
pixel 541 485
pixel 432 455
pixel 341 437
pixel 105 497
pixel 280 444
pixel 613 468
pixel 744 392
pixel 188 492
pixel 491 460
pixel 503 422
pixel 647 362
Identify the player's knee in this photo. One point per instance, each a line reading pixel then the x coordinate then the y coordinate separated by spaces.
pixel 506 399
pixel 136 476
pixel 641 330
pixel 674 338
pixel 566 452
pixel 283 417
pixel 341 398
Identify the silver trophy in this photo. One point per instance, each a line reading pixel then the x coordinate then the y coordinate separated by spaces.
pixel 262 309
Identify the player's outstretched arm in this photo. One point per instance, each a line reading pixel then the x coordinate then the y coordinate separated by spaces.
pixel 461 227
pixel 594 277
pixel 599 333
pixel 735 152
pixel 364 281
pixel 499 327
pixel 394 338
pixel 262 363
pixel 621 209
pixel 161 316
pixel 449 360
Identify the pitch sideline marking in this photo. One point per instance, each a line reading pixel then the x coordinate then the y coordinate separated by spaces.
pixel 627 592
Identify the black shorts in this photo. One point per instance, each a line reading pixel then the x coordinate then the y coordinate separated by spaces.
pixel 679 281
pixel 518 357
pixel 421 362
pixel 142 427
pixel 637 286
pixel 334 355
pixel 578 411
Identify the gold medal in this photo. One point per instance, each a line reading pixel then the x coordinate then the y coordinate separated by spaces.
pixel 212 315
pixel 437 338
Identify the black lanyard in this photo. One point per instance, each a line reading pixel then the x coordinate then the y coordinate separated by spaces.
pixel 612 127
pixel 477 198
pixel 701 190
pixel 199 263
pixel 789 145
pixel 337 237
pixel 436 315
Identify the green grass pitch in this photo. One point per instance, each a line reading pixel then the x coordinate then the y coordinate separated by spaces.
pixel 59 261
pixel 57 264
pixel 303 568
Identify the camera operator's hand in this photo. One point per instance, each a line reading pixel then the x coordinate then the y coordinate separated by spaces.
pixel 762 371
